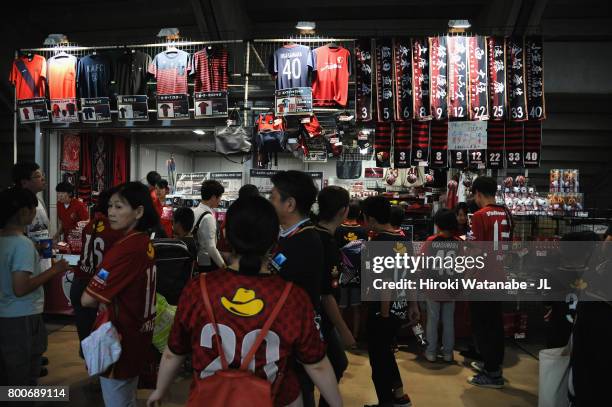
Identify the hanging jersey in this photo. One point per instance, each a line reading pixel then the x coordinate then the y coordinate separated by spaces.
pixel 171 69
pixel 333 68
pixel 130 73
pixel 241 304
pixel 94 76
pixel 202 72
pixel 291 65
pixel 28 76
pixel 61 75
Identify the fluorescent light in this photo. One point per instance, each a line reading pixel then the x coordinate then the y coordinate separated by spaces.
pixel 306 25
pixel 459 24
pixel 199 132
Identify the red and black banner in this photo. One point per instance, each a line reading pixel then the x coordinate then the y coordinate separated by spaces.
pixel 402 57
pixel 496 49
pixel 437 74
pixel 517 89
pixel 382 144
pixel 457 78
pixel 420 79
pixel 533 143
pixel 439 144
pixel 363 80
pixel 495 144
pixel 420 142
pixel 384 79
pixel 402 141
pixel 514 144
pixel 479 100
pixel 534 60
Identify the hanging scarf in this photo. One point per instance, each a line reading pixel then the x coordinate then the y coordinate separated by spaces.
pixel 420 142
pixel 477 55
pixel 439 144
pixel 402 141
pixel 403 79
pixel 382 144
pixel 517 93
pixel 384 79
pixel 497 77
pixel 514 144
pixel 439 88
pixel 495 144
pixel 420 79
pixel 363 80
pixel 533 143
pixel 457 78
pixel 534 61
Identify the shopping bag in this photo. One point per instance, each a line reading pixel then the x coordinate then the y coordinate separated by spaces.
pixel 232 139
pixel 101 348
pixel 554 377
pixel 164 318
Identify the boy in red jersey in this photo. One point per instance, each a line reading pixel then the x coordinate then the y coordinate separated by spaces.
pixel 491 223
pixel 70 210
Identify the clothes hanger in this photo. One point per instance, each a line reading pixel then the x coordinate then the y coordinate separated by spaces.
pixel 171 47
pixel 333 45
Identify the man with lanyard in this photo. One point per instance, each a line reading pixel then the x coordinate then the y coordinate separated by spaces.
pixel 298 256
pixel 491 223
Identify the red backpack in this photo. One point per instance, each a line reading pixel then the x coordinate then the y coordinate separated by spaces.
pixel 236 387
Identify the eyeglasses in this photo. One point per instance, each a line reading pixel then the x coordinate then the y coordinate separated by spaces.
pixel 41 175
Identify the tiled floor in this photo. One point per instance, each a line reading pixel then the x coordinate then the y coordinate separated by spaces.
pixel 429 385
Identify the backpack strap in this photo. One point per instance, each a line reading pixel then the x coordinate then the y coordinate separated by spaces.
pixel 211 315
pixel 266 327
pixel 197 225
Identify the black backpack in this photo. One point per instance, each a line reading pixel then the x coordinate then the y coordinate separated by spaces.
pixel 174 265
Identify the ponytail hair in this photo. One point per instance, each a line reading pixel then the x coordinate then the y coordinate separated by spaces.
pixel 252 229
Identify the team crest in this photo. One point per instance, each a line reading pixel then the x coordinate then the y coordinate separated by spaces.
pixel 100 227
pixel 244 303
pixel 150 251
pixel 350 237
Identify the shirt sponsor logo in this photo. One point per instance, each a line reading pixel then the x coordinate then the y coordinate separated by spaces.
pixel 278 261
pixel 102 276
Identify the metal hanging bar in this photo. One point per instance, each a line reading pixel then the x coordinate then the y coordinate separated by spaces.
pixel 175 43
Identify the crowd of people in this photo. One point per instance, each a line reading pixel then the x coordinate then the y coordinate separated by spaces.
pixel 278 271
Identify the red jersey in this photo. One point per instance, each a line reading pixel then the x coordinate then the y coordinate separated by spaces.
pixel 126 280
pixel 241 305
pixel 75 212
pixel 98 238
pixel 61 75
pixel 493 223
pixel 28 75
pixel 333 68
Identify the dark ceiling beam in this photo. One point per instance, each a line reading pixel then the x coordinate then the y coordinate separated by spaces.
pixel 198 13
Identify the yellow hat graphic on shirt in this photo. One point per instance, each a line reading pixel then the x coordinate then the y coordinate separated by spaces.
pixel 350 237
pixel 399 248
pixel 244 303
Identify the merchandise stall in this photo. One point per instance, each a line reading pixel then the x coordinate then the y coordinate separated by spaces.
pixel 415 119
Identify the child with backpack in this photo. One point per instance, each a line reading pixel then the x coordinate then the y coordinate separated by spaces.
pixel 223 317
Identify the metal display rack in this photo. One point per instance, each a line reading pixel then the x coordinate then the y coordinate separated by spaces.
pixel 251 88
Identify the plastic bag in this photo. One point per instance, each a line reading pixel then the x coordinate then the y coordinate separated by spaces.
pixel 163 322
pixel 101 348
pixel 554 376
